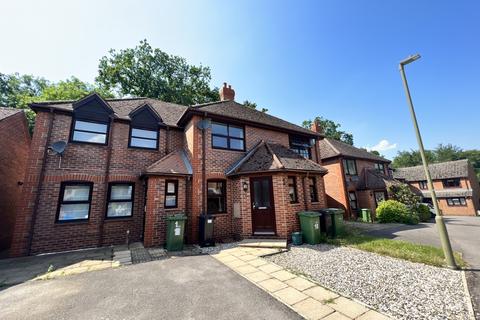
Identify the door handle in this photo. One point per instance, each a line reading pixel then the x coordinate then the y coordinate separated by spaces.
pixel 262 208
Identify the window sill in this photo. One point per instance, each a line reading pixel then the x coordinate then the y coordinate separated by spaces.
pixel 71 222
pixel 142 149
pixel 111 219
pixel 220 214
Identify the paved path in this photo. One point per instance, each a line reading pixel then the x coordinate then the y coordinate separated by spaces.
pixel 464 234
pixel 305 297
pixel 197 287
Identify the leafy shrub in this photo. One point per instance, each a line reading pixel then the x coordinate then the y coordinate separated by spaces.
pixel 423 212
pixel 394 211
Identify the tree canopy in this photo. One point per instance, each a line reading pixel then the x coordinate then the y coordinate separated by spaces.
pixel 253 105
pixel 441 153
pixel 144 71
pixel 331 129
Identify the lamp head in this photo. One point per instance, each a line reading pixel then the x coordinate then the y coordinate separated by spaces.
pixel 410 59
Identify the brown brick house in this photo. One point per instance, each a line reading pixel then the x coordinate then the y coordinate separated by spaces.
pixel 129 163
pixel 14 146
pixel 356 178
pixel 455 183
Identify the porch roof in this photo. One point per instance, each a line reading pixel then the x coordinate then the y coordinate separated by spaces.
pixel 271 157
pixel 175 163
pixel 371 179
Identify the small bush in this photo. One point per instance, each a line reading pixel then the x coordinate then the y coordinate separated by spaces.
pixel 423 212
pixel 394 211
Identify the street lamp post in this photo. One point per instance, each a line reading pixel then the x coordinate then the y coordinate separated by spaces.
pixel 442 229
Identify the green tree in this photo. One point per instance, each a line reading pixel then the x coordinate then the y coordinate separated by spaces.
pixel 253 105
pixel 149 72
pixel 447 152
pixel 71 89
pixel 331 129
pixel 411 158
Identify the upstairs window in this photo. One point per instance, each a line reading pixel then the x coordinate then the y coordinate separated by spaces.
pixel 380 167
pixel 89 132
pixel 171 193
pixel 350 167
pixel 352 197
pixel 216 196
pixel 120 200
pixel 423 185
pixel 456 202
pixel 292 189
pixel 144 139
pixel 301 145
pixel 451 183
pixel 226 136
pixel 74 204
pixel 312 187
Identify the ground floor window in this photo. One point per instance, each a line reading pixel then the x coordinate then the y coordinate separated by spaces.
pixel 74 204
pixel 312 187
pixel 171 193
pixel 456 202
pixel 379 197
pixel 352 197
pixel 120 200
pixel 292 189
pixel 216 196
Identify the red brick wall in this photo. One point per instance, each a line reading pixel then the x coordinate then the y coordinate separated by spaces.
pixel 15 145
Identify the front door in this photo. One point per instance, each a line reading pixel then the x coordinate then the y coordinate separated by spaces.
pixel 263 211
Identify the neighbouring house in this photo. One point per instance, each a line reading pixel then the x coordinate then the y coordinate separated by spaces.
pixel 455 183
pixel 356 178
pixel 129 163
pixel 14 146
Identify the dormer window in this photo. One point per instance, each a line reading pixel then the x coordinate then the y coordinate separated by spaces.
pixel 141 138
pixel 301 145
pixel 89 132
pixel 144 128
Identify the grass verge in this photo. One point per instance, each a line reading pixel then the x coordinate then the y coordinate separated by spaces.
pixel 395 248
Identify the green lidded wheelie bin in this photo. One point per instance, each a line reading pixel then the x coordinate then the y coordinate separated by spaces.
pixel 310 225
pixel 175 231
pixel 366 215
pixel 336 226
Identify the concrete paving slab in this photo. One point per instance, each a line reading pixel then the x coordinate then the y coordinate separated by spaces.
pixel 320 294
pixel 283 275
pixel 272 285
pixel 300 283
pixel 312 309
pixel 290 295
pixel 348 307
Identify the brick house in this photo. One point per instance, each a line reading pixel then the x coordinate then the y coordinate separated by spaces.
pixel 15 145
pixel 455 182
pixel 356 178
pixel 128 163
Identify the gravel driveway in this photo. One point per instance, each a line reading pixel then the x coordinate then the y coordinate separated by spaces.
pixel 402 289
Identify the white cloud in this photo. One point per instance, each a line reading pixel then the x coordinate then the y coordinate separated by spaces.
pixel 383 145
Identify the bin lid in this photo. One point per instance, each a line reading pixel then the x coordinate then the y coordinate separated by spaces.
pixel 176 217
pixel 365 209
pixel 331 211
pixel 309 214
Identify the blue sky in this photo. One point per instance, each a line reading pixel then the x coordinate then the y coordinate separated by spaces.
pixel 299 59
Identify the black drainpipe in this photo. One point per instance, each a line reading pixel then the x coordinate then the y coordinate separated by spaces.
pixel 40 184
pixel 107 179
pixel 204 175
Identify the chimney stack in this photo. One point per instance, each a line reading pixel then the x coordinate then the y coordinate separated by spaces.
pixel 227 93
pixel 316 127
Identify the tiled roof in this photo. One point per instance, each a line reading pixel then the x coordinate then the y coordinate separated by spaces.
pixel 238 111
pixel 330 148
pixel 7 112
pixel 447 193
pixel 442 170
pixel 169 112
pixel 175 163
pixel 267 156
pixel 371 179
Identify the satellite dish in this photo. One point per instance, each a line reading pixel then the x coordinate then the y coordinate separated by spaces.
pixel 58 147
pixel 204 124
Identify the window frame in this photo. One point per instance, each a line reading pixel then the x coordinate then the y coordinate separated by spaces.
pixel 345 167
pixel 72 131
pixel 295 192
pixel 298 147
pixel 175 193
pixel 378 165
pixel 423 184
pixel 451 204
pixel 228 137
pixel 313 182
pixel 224 195
pixel 145 129
pixel 61 195
pixel 119 200
pixel 350 200
pixel 445 181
